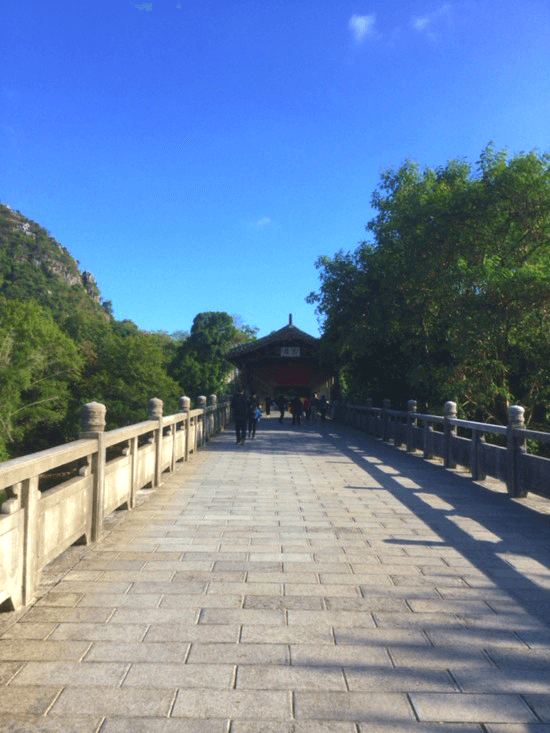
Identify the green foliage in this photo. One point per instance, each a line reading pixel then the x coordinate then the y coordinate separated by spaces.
pixel 179 335
pixel 61 347
pixel 38 364
pixel 128 369
pixel 123 368
pixel 200 365
pixel 451 300
pixel 107 306
pixel 33 266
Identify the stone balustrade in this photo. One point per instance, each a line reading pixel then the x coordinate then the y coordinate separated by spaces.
pixel 459 442
pixel 96 474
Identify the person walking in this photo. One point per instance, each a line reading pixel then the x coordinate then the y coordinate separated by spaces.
pixel 314 406
pixel 297 409
pixel 268 405
pixel 281 404
pixel 323 407
pixel 239 406
pixel 252 416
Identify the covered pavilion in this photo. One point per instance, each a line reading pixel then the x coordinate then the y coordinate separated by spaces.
pixel 285 362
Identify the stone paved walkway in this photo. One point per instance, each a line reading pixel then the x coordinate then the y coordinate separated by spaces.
pixel 312 580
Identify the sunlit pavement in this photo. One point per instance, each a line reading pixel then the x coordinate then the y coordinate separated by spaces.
pixel 313 579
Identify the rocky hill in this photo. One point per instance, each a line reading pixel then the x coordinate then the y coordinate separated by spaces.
pixel 34 266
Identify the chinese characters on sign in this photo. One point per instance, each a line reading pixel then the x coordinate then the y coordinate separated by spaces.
pixel 290 351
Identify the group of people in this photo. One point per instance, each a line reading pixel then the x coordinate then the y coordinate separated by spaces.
pixel 247 411
pixel 310 407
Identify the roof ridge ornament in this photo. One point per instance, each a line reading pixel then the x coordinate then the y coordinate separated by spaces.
pixel 290 319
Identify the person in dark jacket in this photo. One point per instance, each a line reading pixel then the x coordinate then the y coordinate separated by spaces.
pixel 239 405
pixel 252 417
pixel 323 407
pixel 281 404
pixel 297 409
pixel 314 406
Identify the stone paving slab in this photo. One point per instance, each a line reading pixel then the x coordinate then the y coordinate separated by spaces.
pixel 488 708
pixel 40 724
pixel 314 580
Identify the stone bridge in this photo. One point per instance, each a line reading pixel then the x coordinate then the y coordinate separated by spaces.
pixel 315 579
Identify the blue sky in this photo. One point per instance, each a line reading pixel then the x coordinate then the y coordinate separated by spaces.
pixel 200 156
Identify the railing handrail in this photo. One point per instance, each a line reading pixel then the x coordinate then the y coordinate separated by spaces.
pixel 481 427
pixel 458 422
pixel 36 527
pixel 511 463
pixel 17 469
pixel 532 435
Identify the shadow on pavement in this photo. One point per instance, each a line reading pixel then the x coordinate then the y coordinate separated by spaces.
pixel 480 523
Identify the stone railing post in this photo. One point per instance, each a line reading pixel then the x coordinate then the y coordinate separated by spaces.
pixel 30 497
pixel 428 439
pixel 368 405
pixel 516 447
pixel 213 414
pixel 363 419
pixel 478 439
pixel 411 423
pixel 448 432
pixel 201 405
pixel 356 416
pixel 131 449
pixel 221 412
pixel 21 578
pixel 397 431
pixel 386 420
pixel 93 426
pixel 154 412
pixel 227 410
pixel 185 406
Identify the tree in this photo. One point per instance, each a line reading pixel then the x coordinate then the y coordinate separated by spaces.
pixel 107 306
pixel 200 365
pixel 38 365
pixel 124 367
pixel 249 333
pixel 34 266
pixel 61 347
pixel 451 299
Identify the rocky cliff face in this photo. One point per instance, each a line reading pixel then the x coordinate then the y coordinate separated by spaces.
pixel 90 285
pixel 33 265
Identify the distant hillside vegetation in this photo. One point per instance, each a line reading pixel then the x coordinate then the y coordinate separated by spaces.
pixel 60 347
pixel 34 266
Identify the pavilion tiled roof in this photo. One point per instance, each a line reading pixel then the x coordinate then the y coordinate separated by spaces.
pixel 287 333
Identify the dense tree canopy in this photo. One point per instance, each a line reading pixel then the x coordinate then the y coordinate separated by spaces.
pixel 38 363
pixel 200 365
pixel 124 368
pixel 450 299
pixel 60 347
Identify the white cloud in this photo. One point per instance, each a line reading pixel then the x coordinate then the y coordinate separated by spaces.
pixel 262 223
pixel 143 6
pixel 362 26
pixel 429 24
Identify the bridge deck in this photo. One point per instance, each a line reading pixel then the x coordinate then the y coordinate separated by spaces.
pixel 312 580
